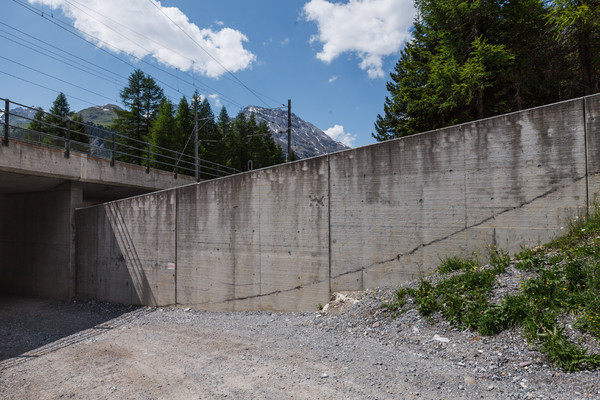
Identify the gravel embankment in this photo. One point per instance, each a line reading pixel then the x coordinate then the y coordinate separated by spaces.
pixel 352 350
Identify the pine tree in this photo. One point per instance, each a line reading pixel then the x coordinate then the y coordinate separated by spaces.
pixel 56 124
pixel 79 135
pixel 36 127
pixel 209 138
pixel 577 25
pixel 248 141
pixel 471 60
pixel 56 119
pixel 142 98
pixel 164 137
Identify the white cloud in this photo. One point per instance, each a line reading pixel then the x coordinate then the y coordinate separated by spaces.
pixel 138 28
pixel 332 79
pixel 337 133
pixel 216 99
pixel 372 29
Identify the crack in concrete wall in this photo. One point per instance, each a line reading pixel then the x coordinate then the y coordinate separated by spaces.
pixel 283 238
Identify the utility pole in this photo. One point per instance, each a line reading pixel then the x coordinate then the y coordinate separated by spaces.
pixel 289 131
pixel 196 138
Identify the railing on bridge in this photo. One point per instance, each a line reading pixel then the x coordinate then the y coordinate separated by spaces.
pixel 71 135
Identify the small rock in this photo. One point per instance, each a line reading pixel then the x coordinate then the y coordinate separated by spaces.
pixel 324 375
pixel 440 339
pixel 375 324
pixel 525 364
pixel 469 380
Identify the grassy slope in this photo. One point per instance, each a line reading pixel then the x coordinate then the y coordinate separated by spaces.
pixel 563 284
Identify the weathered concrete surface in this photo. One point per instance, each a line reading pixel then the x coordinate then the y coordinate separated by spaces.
pixel 36 234
pixel 592 128
pixel 400 206
pixel 256 240
pixel 526 175
pixel 126 250
pixel 387 201
pixel 28 159
pixel 282 238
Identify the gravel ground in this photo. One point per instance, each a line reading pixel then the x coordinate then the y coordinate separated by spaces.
pixel 351 350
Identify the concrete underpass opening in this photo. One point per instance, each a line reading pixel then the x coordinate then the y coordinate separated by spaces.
pixel 37 236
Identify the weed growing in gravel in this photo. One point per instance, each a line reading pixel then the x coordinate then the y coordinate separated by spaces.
pixel 453 264
pixel 396 307
pixel 565 280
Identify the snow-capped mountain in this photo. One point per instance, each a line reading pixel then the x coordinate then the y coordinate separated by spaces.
pixel 307 140
pixel 19 115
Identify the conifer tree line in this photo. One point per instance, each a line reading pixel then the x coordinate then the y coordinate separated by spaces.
pixel 479 58
pixel 59 119
pixel 150 117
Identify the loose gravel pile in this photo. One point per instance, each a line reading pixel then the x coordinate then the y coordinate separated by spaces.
pixel 510 367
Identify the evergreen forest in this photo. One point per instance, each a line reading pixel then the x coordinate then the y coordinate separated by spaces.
pixel 150 117
pixel 479 58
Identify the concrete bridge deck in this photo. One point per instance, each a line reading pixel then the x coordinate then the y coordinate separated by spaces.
pixel 28 168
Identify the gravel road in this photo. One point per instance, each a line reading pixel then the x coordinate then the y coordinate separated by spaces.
pixel 54 350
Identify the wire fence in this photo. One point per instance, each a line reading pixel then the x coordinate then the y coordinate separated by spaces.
pixel 54 131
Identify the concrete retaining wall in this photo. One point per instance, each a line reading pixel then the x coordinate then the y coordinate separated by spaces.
pixel 282 238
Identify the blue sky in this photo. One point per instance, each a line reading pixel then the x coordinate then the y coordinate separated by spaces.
pixel 332 59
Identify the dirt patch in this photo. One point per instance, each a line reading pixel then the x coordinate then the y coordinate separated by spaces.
pixel 101 351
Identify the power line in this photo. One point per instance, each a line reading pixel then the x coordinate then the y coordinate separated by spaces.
pixel 206 51
pixel 62 50
pixel 46 87
pixel 58 58
pixel 54 77
pixel 61 24
pixel 145 49
pixel 58 23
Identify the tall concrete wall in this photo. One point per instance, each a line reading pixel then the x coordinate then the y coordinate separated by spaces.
pixel 255 241
pixel 252 241
pixel 510 181
pixel 283 238
pixel 125 250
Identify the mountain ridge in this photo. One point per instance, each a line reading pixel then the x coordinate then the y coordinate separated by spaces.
pixel 307 140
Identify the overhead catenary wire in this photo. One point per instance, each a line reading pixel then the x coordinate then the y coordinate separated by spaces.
pixel 58 58
pixel 210 55
pixel 103 46
pixel 62 50
pixel 54 77
pixel 46 87
pixel 63 25
pixel 146 37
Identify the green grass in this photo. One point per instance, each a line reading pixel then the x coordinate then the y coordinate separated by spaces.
pixel 564 279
